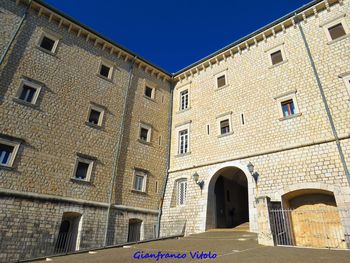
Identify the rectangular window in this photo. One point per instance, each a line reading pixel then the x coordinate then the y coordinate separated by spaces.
pixel 221 81
pixel 105 71
pixel 181 192
pixel 184 100
pixel 276 57
pixel 140 181
pixel 8 152
pixel 149 92
pixel 288 108
pixel 225 126
pixel 48 42
pixel 183 141
pixel 83 169
pixel 95 115
pixel 336 31
pixel 28 92
pixel 143 134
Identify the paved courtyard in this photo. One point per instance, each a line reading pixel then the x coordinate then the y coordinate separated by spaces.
pixel 239 246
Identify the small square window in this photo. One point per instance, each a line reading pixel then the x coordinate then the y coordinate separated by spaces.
pixel 225 126
pixel 288 108
pixel 28 92
pixel 47 43
pixel 221 81
pixel 336 31
pixel 104 71
pixel 276 57
pixel 95 116
pixel 149 92
pixel 184 100
pixel 83 169
pixel 140 178
pixel 143 134
pixel 8 151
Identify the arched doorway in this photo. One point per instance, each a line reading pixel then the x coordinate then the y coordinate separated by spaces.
pixel 69 232
pixel 228 204
pixel 314 219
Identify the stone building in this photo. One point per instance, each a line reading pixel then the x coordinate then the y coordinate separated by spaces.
pixel 98 145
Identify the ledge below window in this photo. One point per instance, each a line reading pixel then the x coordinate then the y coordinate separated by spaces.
pixel 104 78
pixel 149 98
pixel 77 180
pixel 278 64
pixel 22 102
pixel 138 192
pixel 290 117
pixel 47 51
pixel 92 125
pixel 182 154
pixel 144 142
pixel 224 135
pixel 7 168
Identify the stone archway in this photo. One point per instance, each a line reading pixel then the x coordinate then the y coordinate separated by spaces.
pixel 230 199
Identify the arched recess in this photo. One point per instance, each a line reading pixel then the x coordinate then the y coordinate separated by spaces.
pixel 69 234
pixel 313 218
pixel 230 197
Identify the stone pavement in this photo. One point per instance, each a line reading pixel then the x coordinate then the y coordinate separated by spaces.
pixel 237 246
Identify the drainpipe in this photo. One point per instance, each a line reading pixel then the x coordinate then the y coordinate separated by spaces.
pixel 15 33
pixel 118 150
pixel 168 157
pixel 324 99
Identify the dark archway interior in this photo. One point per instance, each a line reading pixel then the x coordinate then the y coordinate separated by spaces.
pixel 231 194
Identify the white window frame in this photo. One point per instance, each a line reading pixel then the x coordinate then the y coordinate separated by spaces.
pixel 284 97
pixel 180 182
pixel 100 110
pixel 149 133
pixel 184 98
pixel 141 173
pixel 31 84
pixel 108 64
pixel 222 117
pixel 153 87
pixel 15 146
pixel 179 90
pixel 340 19
pixel 270 51
pixel 55 37
pixel 218 75
pixel 89 171
pixel 346 79
pixel 178 129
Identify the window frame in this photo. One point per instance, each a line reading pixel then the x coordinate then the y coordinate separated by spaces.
pixel 178 128
pixel 108 64
pixel 179 182
pixel 221 74
pixel 15 146
pixel 98 108
pixel 223 117
pixel 151 86
pixel 31 84
pixel 53 36
pixel 85 160
pixel 274 49
pixel 141 173
pixel 149 133
pixel 340 19
pixel 182 98
pixel 286 97
pixel 178 98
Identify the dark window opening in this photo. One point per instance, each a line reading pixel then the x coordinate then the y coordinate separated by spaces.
pixel 94 116
pixel 276 57
pixel 27 93
pixel 5 154
pixel 225 126
pixel 104 71
pixel 336 31
pixel 288 108
pixel 47 43
pixel 144 134
pixel 221 81
pixel 148 92
pixel 82 170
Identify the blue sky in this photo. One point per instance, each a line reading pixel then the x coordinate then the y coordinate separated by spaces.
pixel 175 34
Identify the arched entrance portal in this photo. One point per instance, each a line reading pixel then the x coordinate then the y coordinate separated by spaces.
pixel 228 204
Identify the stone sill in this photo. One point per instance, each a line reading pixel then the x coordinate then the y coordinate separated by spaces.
pixel 104 78
pixel 182 154
pixel 225 86
pixel 338 39
pixel 47 52
pixel 92 125
pixel 290 117
pixel 138 192
pixel 184 110
pixel 77 180
pixel 224 135
pixel 22 102
pixel 144 142
pixel 8 168
pixel 278 64
pixel 151 99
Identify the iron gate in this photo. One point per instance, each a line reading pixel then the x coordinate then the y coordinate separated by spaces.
pixel 321 228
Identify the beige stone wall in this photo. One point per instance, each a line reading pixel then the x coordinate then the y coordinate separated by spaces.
pixel 300 151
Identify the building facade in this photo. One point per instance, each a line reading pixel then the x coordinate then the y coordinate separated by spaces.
pixel 98 145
